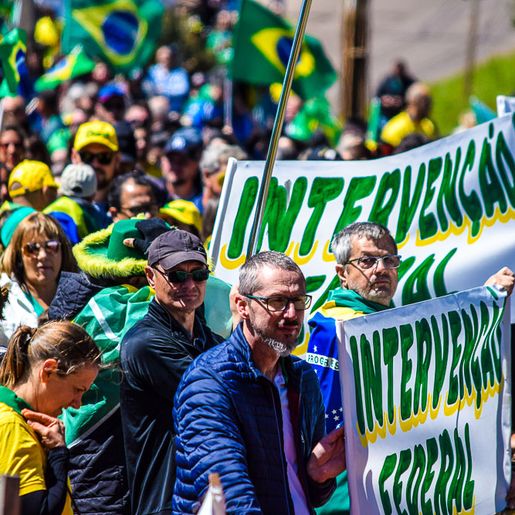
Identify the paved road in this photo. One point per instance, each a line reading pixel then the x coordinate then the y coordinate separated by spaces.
pixel 429 35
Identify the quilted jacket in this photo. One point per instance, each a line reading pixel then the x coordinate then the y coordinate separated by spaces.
pixel 228 420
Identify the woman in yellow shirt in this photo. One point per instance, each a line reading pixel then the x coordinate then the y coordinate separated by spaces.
pixel 44 370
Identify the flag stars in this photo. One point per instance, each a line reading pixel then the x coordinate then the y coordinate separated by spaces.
pixel 334 412
pixel 336 418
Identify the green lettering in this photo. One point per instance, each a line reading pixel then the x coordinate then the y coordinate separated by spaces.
pixel 279 216
pixel 506 166
pixel 247 200
pixel 324 190
pixel 489 184
pixel 387 470
pixel 372 384
pixel 428 226
pixel 358 189
pixel 406 369
pixel 409 203
pixel 424 346
pixel 386 196
pixel 471 203
pixel 447 193
pixel 390 340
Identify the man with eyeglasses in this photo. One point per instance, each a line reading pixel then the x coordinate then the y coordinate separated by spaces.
pixel 367 267
pixel 253 413
pixel 132 194
pixel 96 144
pixel 154 355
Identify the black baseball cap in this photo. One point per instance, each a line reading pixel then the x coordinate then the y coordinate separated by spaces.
pixel 175 247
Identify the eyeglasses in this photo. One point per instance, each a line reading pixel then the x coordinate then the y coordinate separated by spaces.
pixel 278 303
pixel 180 276
pixel 33 248
pixel 104 158
pixel 390 261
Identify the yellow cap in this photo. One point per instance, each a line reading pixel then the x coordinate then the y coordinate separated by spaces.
pixel 183 211
pixel 99 132
pixel 30 176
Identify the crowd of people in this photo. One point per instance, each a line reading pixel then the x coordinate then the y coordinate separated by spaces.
pixel 129 373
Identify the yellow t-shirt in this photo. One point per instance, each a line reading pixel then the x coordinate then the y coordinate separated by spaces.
pixel 401 125
pixel 22 455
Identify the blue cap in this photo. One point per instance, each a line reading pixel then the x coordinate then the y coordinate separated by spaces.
pixel 184 140
pixel 109 91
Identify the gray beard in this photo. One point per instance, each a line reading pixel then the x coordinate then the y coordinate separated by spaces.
pixel 278 347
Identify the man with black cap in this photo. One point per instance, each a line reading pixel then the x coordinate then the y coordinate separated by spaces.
pixel 180 166
pixel 155 353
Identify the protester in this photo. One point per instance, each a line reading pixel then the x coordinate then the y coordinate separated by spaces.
pixel 78 188
pixel 155 353
pixel 233 400
pixel 392 90
pixel 414 118
pixel 132 194
pixel 107 299
pixel 167 78
pixel 31 265
pixel 12 149
pixel 367 267
pixel 32 184
pixel 180 166
pixel 44 371
pixel 96 144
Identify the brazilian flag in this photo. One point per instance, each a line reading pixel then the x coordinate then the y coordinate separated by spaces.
pixel 17 81
pixel 75 64
pixel 262 46
pixel 122 33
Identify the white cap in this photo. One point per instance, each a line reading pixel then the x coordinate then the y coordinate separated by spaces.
pixel 78 180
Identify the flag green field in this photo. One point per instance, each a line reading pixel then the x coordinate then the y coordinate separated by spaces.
pixel 17 81
pixel 123 33
pixel 73 65
pixel 262 45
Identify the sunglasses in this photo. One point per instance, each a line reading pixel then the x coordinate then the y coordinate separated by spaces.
pixel 18 145
pixel 179 276
pixel 104 158
pixel 33 248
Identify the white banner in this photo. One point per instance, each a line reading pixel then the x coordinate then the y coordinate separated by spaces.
pixel 505 105
pixel 427 401
pixel 450 205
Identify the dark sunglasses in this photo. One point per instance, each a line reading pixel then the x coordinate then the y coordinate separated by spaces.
pixel 33 248
pixel 17 144
pixel 104 158
pixel 179 276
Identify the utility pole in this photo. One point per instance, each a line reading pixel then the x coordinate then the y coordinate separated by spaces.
pixel 470 50
pixel 353 81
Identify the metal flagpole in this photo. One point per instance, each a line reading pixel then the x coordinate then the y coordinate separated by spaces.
pixel 278 126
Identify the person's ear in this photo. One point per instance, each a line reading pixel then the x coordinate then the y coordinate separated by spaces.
pixel 151 276
pixel 242 306
pixel 48 368
pixel 341 272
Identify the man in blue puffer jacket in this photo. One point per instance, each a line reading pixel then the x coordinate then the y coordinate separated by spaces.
pixel 249 411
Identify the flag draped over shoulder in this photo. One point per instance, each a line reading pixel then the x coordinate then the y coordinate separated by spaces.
pixel 17 81
pixel 123 33
pixel 262 45
pixel 73 65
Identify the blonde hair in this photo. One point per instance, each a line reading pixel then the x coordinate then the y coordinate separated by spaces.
pixel 37 223
pixel 64 341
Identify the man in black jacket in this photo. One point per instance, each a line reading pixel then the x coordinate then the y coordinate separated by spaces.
pixel 155 353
